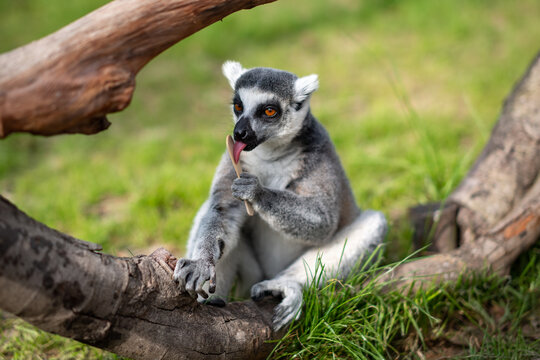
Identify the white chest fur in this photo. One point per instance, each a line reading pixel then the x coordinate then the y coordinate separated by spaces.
pixel 273 250
pixel 274 171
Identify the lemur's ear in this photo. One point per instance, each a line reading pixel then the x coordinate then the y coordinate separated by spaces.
pixel 305 86
pixel 232 71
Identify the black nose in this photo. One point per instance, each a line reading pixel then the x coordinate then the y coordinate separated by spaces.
pixel 243 131
pixel 240 135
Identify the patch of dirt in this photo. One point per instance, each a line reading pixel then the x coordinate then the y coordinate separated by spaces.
pixel 441 350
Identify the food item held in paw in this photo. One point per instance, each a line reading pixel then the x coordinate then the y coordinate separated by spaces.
pixel 234 150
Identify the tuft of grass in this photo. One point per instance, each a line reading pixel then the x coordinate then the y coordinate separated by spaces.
pixel 480 316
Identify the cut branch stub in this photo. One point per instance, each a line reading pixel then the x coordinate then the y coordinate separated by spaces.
pixel 130 306
pixel 68 81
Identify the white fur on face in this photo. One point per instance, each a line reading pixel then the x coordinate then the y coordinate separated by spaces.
pixel 253 97
pixel 290 121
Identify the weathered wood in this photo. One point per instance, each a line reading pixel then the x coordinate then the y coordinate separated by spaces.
pixel 68 81
pixel 509 165
pixel 493 251
pixel 129 306
pixel 494 214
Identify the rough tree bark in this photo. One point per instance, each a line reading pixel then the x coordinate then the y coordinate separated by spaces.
pixel 494 214
pixel 129 306
pixel 68 81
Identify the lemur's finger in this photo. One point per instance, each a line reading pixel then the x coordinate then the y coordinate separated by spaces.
pixel 212 282
pixel 278 312
pixel 260 295
pixel 202 293
pixel 187 276
pixel 259 291
pixel 199 290
pixel 180 281
pixel 244 181
pixel 190 287
pixel 283 319
pixel 199 286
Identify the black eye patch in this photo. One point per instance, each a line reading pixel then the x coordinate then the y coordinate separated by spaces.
pixel 262 110
pixel 238 107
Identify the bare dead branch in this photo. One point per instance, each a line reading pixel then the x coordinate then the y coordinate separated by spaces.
pixel 494 214
pixel 70 80
pixel 129 306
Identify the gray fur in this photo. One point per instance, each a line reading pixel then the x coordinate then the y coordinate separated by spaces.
pixel 273 81
pixel 303 201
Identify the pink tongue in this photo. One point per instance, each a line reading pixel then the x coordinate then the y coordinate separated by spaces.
pixel 237 149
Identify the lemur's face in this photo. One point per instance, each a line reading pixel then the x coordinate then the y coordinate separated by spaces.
pixel 268 105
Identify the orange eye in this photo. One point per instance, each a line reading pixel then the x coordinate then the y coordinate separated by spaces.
pixel 270 112
pixel 238 107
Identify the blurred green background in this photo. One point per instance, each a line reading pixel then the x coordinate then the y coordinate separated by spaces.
pixel 409 91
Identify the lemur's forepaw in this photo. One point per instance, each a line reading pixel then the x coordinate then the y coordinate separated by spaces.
pixel 192 274
pixel 246 187
pixel 289 308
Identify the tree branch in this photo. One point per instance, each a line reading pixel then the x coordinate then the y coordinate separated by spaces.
pixel 129 306
pixel 68 81
pixel 494 214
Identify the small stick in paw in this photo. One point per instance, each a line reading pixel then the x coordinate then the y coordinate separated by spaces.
pixel 235 155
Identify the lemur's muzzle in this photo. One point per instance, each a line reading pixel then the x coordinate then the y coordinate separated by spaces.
pixel 244 137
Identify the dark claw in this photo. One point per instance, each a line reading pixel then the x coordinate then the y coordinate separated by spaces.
pixel 203 294
pixel 257 297
pixel 261 295
pixel 215 301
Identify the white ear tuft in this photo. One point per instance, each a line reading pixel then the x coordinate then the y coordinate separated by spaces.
pixel 232 71
pixel 305 86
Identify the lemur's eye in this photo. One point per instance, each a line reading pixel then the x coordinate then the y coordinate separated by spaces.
pixel 270 111
pixel 238 107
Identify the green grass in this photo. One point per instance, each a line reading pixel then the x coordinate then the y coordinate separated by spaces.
pixel 20 341
pixel 359 319
pixel 409 92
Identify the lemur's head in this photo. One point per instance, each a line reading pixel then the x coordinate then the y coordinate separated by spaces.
pixel 269 105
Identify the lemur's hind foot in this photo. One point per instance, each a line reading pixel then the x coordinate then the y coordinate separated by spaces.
pixel 289 308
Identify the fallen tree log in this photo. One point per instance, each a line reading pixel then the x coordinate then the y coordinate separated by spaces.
pixel 129 306
pixel 494 214
pixel 69 81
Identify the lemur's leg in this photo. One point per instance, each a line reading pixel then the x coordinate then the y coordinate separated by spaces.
pixel 240 265
pixel 338 257
pixel 249 270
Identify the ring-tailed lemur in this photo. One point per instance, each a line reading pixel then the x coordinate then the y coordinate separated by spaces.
pixel 303 201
